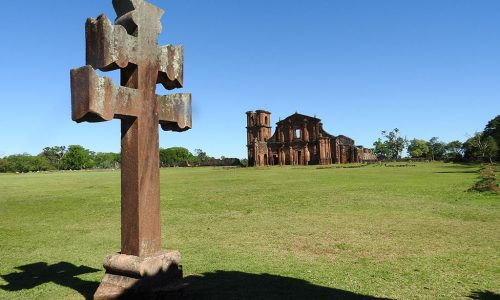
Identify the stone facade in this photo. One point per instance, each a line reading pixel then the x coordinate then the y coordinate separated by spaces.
pixel 298 140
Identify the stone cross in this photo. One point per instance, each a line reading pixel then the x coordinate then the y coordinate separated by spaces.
pixel 131 45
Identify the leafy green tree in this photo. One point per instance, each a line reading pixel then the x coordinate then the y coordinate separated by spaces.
pixel 201 156
pixel 454 150
pixel 54 155
pixel 19 163
pixel 244 162
pixel 437 149
pixel 23 163
pixel 471 149
pixel 493 129
pixel 77 158
pixel 380 149
pixel 182 154
pixel 166 157
pixel 418 148
pixel 3 165
pixel 479 147
pixel 106 160
pixel 491 148
pixel 174 156
pixel 394 143
pixel 40 163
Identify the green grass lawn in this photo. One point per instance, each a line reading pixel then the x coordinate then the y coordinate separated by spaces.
pixel 264 233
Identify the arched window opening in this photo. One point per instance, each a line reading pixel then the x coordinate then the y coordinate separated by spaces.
pixel 297 133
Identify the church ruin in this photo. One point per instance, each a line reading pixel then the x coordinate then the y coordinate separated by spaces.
pixel 298 140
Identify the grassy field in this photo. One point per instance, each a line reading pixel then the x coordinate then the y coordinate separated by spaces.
pixel 264 233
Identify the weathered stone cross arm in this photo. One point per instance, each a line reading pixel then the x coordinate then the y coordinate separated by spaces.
pixel 97 99
pixel 119 46
pixel 111 47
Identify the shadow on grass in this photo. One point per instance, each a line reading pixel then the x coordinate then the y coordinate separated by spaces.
pixel 216 285
pixel 239 285
pixel 457 172
pixel 484 295
pixel 62 273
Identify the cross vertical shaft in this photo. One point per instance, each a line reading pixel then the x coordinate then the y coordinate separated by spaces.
pixel 140 211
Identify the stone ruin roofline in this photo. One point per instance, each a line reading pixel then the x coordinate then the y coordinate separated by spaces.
pixel 300 115
pixel 258 111
pixel 273 139
pixel 296 114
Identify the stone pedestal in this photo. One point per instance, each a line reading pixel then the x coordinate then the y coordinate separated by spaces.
pixel 132 277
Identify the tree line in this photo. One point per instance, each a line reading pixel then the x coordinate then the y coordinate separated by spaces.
pixel 76 157
pixel 480 147
pixel 181 157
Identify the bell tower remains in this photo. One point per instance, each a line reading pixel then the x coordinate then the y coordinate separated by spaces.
pixel 258 133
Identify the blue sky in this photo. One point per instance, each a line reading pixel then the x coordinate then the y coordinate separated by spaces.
pixel 428 67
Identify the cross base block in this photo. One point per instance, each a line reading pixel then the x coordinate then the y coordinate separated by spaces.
pixel 133 277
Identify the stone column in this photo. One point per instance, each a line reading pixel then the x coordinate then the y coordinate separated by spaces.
pixel 307 155
pixel 305 133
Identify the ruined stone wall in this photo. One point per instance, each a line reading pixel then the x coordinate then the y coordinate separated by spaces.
pixel 366 155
